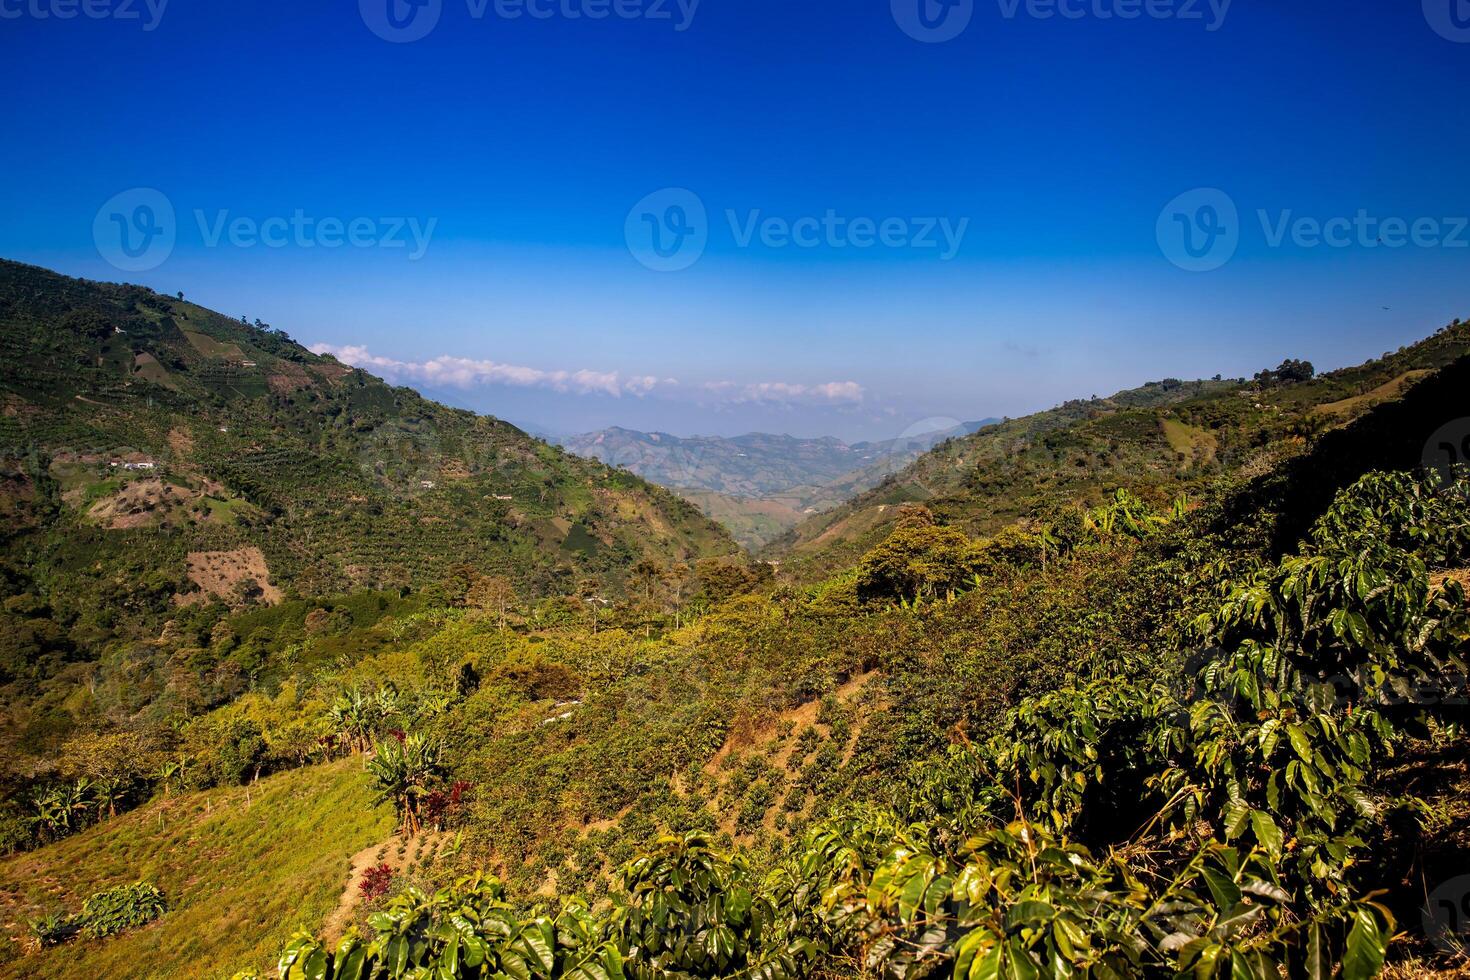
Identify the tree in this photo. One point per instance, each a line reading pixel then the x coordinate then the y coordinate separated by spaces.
pixel 293 743
pixel 467 681
pixel 246 592
pixel 587 591
pixel 1290 372
pixel 59 809
pixel 127 757
pixel 351 715
pixel 168 775
pixel 241 753
pixel 917 561
pixel 677 580
pixel 646 579
pixel 457 583
pixel 491 594
pixel 719 579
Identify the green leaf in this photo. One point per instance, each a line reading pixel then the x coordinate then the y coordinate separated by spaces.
pixel 1236 815
pixel 1267 832
pixel 1319 958
pixel 1366 947
pixel 987 966
pixel 1300 742
pixel 1222 888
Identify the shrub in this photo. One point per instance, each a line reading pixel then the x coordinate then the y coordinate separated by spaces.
pixel 376 882
pixel 52 930
pixel 104 914
pixel 117 909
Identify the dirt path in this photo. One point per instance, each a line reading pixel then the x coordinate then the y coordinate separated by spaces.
pixel 337 922
pixel 342 916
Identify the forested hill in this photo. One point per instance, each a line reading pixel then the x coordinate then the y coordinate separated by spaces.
pixel 1158 440
pixel 155 452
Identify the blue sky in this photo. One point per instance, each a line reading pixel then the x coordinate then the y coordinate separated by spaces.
pixel 962 228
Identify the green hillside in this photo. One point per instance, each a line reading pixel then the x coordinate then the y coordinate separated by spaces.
pixel 1158 440
pixel 153 452
pixel 817 751
pixel 242 869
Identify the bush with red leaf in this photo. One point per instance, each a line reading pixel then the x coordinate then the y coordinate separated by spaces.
pixel 442 809
pixel 376 882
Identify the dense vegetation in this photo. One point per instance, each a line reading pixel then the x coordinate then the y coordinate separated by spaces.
pixel 1126 720
pixel 164 468
pixel 1213 820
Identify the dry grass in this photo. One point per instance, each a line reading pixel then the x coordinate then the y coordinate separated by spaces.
pixel 1384 392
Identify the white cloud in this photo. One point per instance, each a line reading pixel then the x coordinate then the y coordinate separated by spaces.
pixel 779 391
pixel 463 372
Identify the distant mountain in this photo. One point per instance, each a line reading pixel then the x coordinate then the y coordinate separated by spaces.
pixel 759 484
pixel 157 452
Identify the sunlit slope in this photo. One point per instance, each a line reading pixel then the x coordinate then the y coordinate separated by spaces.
pixel 242 869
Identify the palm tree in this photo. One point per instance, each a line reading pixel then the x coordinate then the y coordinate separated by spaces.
pixel 60 808
pixel 49 816
pixel 351 716
pixel 386 704
pixel 76 799
pixel 109 793
pixel 403 769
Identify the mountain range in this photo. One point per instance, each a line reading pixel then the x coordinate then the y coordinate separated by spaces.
pixel 1161 439
pixel 759 484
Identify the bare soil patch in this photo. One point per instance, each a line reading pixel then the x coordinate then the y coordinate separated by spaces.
pixel 385 852
pixel 139 504
pixel 220 573
pixel 180 441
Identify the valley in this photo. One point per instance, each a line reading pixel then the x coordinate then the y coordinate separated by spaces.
pixel 758 485
pixel 419 661
pixel 586 490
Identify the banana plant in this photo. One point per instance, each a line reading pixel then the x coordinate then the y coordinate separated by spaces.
pixel 404 771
